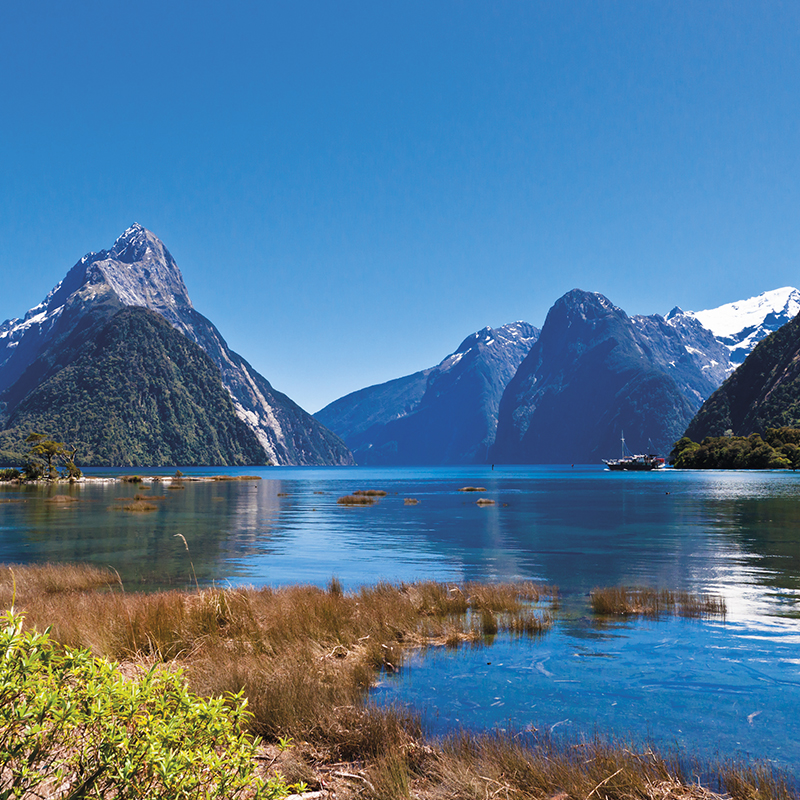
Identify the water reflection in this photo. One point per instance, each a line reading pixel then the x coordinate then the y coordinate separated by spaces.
pixel 735 533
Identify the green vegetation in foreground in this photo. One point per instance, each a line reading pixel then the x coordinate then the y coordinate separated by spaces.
pixel 139 393
pixel 72 725
pixel 780 449
pixel 303 657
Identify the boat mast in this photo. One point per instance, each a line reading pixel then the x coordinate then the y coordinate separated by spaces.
pixel 623 443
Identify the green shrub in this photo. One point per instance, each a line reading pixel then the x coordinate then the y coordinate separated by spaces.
pixel 71 725
pixel 10 474
pixel 32 471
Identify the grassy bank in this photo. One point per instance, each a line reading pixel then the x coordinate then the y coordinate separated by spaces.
pixel 304 658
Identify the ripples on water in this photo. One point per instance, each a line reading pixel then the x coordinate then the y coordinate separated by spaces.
pixel 700 686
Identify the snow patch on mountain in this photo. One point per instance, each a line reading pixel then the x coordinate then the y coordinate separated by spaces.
pixel 741 325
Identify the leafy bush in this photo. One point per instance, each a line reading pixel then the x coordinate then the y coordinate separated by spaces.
pixel 32 471
pixel 71 725
pixel 10 474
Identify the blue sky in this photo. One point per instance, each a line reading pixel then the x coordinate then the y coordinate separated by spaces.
pixel 352 188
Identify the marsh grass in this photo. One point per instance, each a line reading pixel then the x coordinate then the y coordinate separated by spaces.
pixel 356 500
pixel 484 501
pixel 61 499
pixel 235 477
pixel 472 489
pixel 648 602
pixel 410 501
pixel 370 493
pixel 32 583
pixel 305 657
pixel 138 506
pixel 532 767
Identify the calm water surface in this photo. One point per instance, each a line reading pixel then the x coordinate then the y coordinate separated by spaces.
pixel 731 688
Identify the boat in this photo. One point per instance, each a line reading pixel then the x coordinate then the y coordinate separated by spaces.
pixel 635 463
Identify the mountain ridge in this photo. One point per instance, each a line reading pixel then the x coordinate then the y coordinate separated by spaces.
pixel 592 373
pixel 763 392
pixel 137 393
pixel 445 414
pixel 138 270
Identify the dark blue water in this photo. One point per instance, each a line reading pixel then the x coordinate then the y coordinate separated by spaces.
pixel 731 688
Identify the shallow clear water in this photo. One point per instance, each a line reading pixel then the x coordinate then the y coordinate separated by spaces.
pixel 703 687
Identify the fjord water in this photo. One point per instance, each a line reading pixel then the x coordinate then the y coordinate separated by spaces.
pixel 728 688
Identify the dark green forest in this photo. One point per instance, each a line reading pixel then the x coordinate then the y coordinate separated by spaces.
pixel 779 449
pixel 139 394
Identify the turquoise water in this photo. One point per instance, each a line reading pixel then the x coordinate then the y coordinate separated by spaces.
pixel 731 688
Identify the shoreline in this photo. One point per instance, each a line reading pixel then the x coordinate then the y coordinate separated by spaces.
pixel 305 658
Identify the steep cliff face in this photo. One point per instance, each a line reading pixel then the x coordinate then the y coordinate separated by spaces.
pixel 764 392
pixel 593 373
pixel 137 393
pixel 443 415
pixel 139 271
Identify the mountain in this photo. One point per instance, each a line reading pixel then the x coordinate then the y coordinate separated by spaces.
pixel 595 372
pixel 137 393
pixel 740 326
pixel 689 353
pixel 764 392
pixel 443 415
pixel 139 271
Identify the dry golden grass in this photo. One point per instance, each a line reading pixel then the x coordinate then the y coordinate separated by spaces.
pixel 61 499
pixel 370 492
pixel 484 501
pixel 410 501
pixel 138 506
pixel 305 657
pixel 536 767
pixel 648 602
pixel 176 485
pixel 235 478
pixel 44 580
pixel 356 500
pixel 472 489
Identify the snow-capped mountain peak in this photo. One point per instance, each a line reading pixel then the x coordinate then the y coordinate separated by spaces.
pixel 741 325
pixel 138 270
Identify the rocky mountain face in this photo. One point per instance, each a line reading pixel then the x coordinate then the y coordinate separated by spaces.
pixel 740 326
pixel 443 415
pixel 137 393
pixel 139 271
pixel 764 392
pixel 595 372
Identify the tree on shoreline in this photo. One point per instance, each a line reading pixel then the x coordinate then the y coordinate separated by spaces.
pixel 47 453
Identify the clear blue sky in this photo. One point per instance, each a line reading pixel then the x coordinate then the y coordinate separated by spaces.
pixel 351 188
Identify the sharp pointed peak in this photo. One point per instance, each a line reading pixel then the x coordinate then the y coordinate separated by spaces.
pixel 134 243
